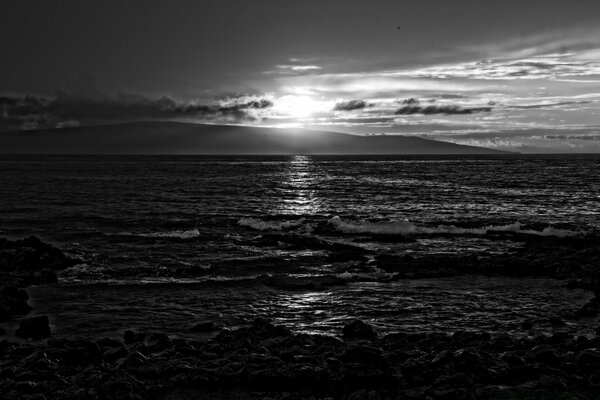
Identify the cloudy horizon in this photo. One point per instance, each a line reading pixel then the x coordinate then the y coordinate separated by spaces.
pixel 520 76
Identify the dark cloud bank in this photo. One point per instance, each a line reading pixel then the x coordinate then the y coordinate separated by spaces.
pixel 449 109
pixel 413 106
pixel 30 112
pixel 350 105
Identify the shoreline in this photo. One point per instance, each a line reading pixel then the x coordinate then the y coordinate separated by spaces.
pixel 265 359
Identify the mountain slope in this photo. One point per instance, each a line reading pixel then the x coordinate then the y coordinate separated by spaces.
pixel 186 138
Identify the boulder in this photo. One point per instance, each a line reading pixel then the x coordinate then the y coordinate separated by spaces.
pixel 359 330
pixel 206 326
pixel 34 328
pixel 13 301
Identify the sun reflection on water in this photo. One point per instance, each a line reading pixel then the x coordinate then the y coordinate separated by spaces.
pixel 297 189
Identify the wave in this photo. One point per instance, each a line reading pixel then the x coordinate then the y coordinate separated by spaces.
pixel 409 228
pixel 261 225
pixel 177 234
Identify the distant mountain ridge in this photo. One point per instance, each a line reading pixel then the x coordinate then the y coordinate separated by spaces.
pixel 166 137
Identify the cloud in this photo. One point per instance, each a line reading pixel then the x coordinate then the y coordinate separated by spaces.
pixel 298 68
pixel 69 109
pixel 350 105
pixel 411 109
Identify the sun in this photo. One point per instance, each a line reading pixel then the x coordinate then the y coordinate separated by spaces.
pixel 296 106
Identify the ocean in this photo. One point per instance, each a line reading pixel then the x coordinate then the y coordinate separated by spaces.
pixel 166 241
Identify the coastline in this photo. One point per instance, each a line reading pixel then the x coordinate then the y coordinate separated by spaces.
pixel 262 358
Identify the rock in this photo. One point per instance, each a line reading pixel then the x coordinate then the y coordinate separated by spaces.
pixel 131 337
pixel 443 358
pixel 547 356
pixel 359 330
pixel 112 354
pixel 30 261
pixel 556 321
pixel 590 309
pixel 512 360
pixel 363 355
pixel 588 358
pixel 527 325
pixel 155 342
pixel 13 301
pixel 34 328
pixel 207 326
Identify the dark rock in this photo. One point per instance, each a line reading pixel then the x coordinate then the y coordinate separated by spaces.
pixel 359 330
pixel 512 360
pixel 546 355
pixel 13 301
pixel 35 328
pixel 469 360
pixel 131 337
pixel 443 358
pixel 588 358
pixel 527 325
pixel 155 342
pixel 112 354
pixel 556 321
pixel 590 309
pixel 207 326
pixel 30 261
pixel 363 355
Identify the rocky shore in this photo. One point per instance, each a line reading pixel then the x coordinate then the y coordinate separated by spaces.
pixel 264 360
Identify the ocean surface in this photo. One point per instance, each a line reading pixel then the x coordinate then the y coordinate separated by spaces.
pixel 169 240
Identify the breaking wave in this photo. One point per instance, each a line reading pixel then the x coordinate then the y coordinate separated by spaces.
pixel 177 234
pixel 408 228
pixel 261 225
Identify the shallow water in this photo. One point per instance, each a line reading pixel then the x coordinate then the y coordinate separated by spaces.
pixel 496 305
pixel 173 220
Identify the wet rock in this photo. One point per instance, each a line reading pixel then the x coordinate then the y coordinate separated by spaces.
pixel 131 337
pixel 512 360
pixel 527 325
pixel 30 261
pixel 359 330
pixel 155 342
pixel 13 301
pixel 590 309
pixel 206 326
pixel 112 354
pixel 545 355
pixel 588 358
pixel 73 351
pixel 442 358
pixel 34 328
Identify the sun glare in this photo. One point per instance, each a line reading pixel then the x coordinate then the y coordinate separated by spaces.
pixel 296 106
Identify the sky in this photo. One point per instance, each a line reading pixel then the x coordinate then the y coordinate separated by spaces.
pixel 513 75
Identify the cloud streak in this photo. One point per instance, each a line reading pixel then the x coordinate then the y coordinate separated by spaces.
pixel 350 105
pixel 68 109
pixel 444 109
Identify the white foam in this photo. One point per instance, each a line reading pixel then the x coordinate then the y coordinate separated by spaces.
pixel 408 228
pixel 180 234
pixel 261 225
pixel 177 234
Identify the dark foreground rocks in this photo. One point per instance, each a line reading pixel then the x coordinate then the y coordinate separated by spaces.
pixel 13 301
pixel 264 360
pixel 30 261
pixel 26 262
pixel 34 328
